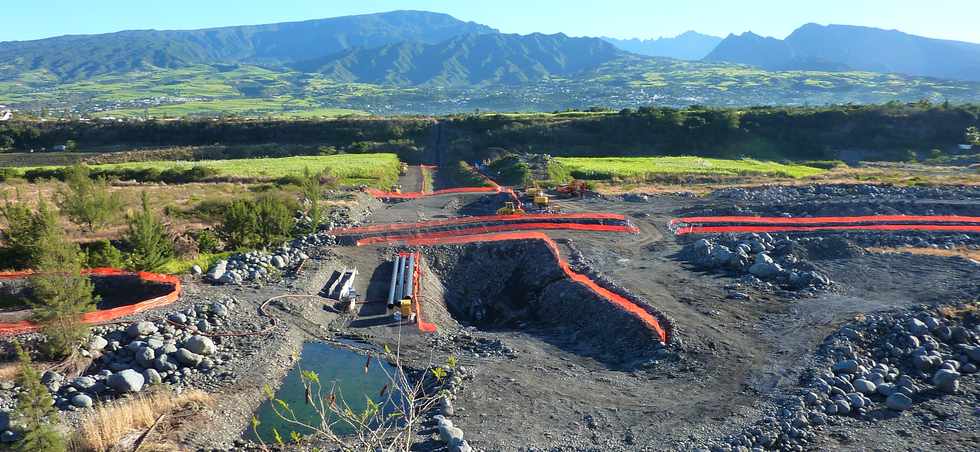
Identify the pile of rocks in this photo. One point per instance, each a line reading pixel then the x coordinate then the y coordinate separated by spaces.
pixel 760 255
pixel 448 433
pixel 259 265
pixel 126 359
pixel 782 193
pixel 888 362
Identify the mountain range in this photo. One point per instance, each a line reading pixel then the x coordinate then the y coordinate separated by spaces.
pixel 409 61
pixel 689 45
pixel 814 47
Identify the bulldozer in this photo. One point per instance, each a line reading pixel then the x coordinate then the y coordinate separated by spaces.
pixel 510 208
pixel 396 188
pixel 542 201
pixel 403 170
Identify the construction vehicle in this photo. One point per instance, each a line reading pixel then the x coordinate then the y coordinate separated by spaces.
pixel 396 188
pixel 404 169
pixel 510 208
pixel 542 201
pixel 574 189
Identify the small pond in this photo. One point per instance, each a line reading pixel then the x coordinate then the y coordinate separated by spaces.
pixel 335 366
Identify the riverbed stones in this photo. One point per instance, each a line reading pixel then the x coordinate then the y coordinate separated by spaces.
pixel 152 377
pixel 188 358
pixel 81 400
pixel 97 344
pixel 126 381
pixel 946 380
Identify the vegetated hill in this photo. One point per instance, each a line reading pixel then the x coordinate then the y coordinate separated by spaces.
pixel 474 59
pixel 81 56
pixel 846 47
pixel 689 45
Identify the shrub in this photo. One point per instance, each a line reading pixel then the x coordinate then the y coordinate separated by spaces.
pixel 207 241
pixel 148 239
pixel 35 411
pixel 61 293
pixel 88 202
pixel 101 253
pixel 256 223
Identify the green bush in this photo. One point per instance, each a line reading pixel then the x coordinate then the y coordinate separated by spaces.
pixel 101 253
pixel 257 223
pixel 207 241
pixel 25 232
pixel 150 243
pixel 86 201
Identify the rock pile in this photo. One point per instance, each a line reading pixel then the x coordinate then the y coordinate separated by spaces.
pixel 782 193
pixel 258 265
pixel 127 359
pixel 760 255
pixel 443 427
pixel 887 362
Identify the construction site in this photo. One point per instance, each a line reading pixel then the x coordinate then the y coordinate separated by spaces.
pixel 766 318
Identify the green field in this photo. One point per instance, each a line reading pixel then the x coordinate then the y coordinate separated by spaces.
pixel 650 168
pixel 377 170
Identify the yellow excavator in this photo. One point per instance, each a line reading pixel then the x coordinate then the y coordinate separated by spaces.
pixel 510 208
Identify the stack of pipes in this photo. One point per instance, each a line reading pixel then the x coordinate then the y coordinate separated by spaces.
pixel 402 280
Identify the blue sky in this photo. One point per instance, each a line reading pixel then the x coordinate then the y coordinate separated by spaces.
pixel 950 19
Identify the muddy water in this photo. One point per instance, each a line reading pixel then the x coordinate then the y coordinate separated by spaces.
pixel 336 367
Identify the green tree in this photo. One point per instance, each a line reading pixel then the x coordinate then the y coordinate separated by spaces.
pixel 71 146
pixel 61 293
pixel 26 229
pixel 311 188
pixel 87 202
pixel 256 223
pixel 148 239
pixel 35 411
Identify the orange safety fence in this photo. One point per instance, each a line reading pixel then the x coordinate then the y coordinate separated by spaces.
pixel 477 219
pixel 616 299
pixel 498 228
pixel 105 315
pixel 829 220
pixel 423 326
pixel 869 227
pixel 417 194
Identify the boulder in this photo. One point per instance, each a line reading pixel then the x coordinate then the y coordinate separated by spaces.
pixel 847 366
pixel 81 400
pixel 219 309
pixel 141 329
pixel 163 363
pixel 152 377
pixel 145 356
pixel 97 344
pixel 218 271
pixel 764 267
pixel 125 381
pixel 898 402
pixel 451 435
pixel 188 358
pixel 83 383
pixel 864 386
pixel 946 380
pixel 200 345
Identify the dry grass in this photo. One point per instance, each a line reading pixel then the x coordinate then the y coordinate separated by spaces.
pixel 9 371
pixel 961 252
pixel 972 309
pixel 113 424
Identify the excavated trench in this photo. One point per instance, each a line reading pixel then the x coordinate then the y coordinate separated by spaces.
pixel 519 286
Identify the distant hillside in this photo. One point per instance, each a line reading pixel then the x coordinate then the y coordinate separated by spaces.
pixel 76 57
pixel 690 45
pixel 474 59
pixel 845 48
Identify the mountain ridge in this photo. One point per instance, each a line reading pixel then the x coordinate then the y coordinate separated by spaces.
pixel 689 45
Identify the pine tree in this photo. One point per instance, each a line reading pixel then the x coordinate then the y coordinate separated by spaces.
pixel 61 293
pixel 148 239
pixel 26 229
pixel 312 191
pixel 88 202
pixel 35 411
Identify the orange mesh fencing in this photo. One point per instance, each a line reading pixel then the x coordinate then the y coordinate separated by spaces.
pixel 617 300
pixel 497 228
pixel 104 315
pixel 867 227
pixel 478 219
pixel 424 327
pixel 829 220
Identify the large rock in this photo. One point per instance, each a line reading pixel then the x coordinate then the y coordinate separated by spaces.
pixel 847 366
pixel 864 386
pixel 765 268
pixel 451 435
pixel 145 356
pixel 152 377
pixel 163 363
pixel 81 400
pixel 200 345
pixel 97 344
pixel 898 402
pixel 125 381
pixel 141 329
pixel 946 380
pixel 218 271
pixel 188 358
pixel 83 383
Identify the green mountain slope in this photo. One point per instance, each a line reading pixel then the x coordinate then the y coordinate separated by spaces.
pixel 846 47
pixel 474 59
pixel 79 57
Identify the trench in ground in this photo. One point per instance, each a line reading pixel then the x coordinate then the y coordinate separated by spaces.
pixel 519 286
pixel 112 291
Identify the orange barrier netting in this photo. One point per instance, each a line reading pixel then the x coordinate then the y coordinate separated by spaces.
pixel 423 326
pixel 417 194
pixel 105 315
pixel 477 219
pixel 617 300
pixel 499 228
pixel 870 227
pixel 829 220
